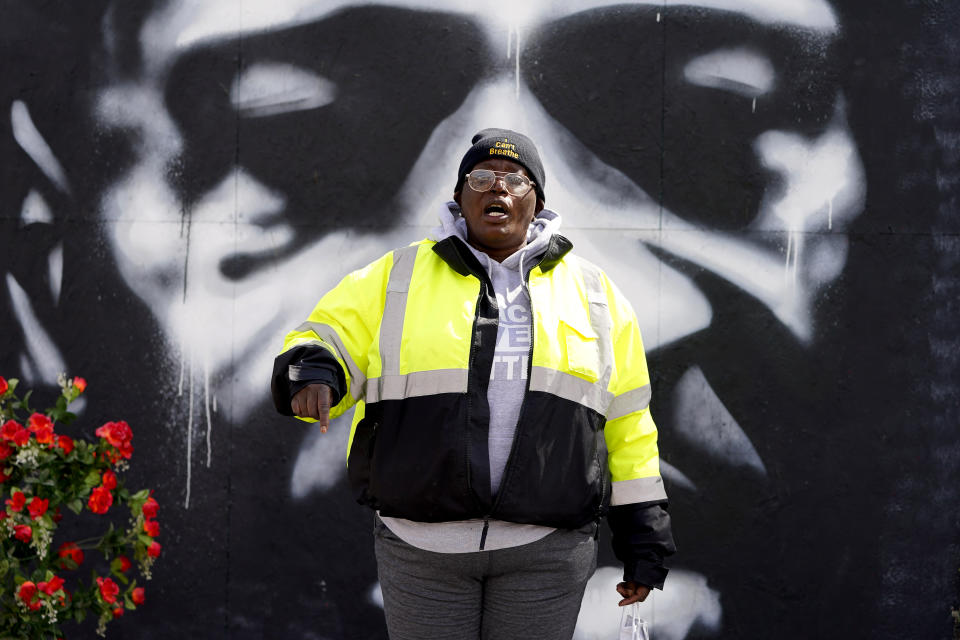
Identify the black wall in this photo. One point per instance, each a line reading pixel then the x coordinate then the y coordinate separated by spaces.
pixel 775 190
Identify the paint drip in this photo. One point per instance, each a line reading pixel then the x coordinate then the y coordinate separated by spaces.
pixel 188 376
pixel 794 240
pixel 516 68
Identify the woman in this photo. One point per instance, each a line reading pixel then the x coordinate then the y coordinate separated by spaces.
pixel 502 410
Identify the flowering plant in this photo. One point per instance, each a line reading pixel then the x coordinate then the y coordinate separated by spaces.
pixel 43 473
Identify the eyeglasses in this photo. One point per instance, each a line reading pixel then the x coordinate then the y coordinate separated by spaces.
pixel 483 180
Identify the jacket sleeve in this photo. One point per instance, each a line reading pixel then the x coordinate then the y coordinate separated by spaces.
pixel 641 539
pixel 301 366
pixel 638 514
pixel 333 346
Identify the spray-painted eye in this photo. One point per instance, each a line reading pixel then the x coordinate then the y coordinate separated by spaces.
pixel 269 89
pixel 740 71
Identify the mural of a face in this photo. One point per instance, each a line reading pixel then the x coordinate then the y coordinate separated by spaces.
pixel 279 145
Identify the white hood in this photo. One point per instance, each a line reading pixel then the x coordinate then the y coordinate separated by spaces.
pixel 544 225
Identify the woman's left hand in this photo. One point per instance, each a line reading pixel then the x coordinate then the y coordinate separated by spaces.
pixel 632 592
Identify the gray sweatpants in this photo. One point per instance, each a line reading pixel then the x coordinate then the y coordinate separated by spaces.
pixel 530 592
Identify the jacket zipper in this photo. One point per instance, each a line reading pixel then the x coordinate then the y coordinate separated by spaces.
pixel 483 534
pixel 470 364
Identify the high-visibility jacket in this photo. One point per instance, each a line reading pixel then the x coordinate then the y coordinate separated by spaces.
pixel 414 334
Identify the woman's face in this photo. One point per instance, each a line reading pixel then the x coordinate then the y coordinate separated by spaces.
pixel 497 221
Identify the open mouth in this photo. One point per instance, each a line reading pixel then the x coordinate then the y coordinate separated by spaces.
pixel 495 209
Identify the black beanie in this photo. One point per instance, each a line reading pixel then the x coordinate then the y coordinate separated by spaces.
pixel 503 144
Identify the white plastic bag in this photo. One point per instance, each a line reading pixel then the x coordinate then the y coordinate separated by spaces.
pixel 632 626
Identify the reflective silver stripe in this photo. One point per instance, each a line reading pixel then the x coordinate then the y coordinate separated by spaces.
pixel 294 371
pixel 570 387
pixel 601 322
pixel 419 383
pixel 626 403
pixel 391 325
pixel 329 335
pixel 639 490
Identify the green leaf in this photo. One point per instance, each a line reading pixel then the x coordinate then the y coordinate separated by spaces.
pixel 92 479
pixel 75 505
pixel 145 539
pixel 143 494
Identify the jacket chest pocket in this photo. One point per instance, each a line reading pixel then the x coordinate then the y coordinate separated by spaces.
pixel 582 349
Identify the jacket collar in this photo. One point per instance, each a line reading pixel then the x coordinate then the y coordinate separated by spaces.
pixel 458 256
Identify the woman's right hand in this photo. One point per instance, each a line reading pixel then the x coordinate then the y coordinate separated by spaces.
pixel 313 401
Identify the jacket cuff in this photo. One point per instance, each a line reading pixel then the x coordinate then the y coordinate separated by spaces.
pixel 310 364
pixel 642 538
pixel 303 375
pixel 650 574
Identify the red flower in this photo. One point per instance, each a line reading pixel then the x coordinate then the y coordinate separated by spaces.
pixel 152 527
pixel 154 549
pixel 65 443
pixel 150 508
pixel 100 500
pixel 79 384
pixel 42 426
pixel 21 437
pixel 108 590
pixel 117 612
pixel 72 551
pixel 118 434
pixel 124 563
pixel 17 501
pixel 109 480
pixel 3 385
pixel 15 433
pixel 22 532
pixel 38 421
pixel 3 477
pixel 4 515
pixel 5 450
pixel 51 587
pixel 37 507
pixel 28 593
pixel 137 596
pixel 9 428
